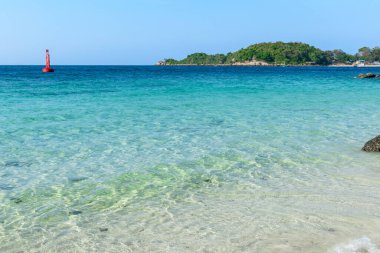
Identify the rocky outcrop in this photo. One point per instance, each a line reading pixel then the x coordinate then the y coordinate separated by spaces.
pixel 373 145
pixel 368 75
pixel 251 63
pixel 378 76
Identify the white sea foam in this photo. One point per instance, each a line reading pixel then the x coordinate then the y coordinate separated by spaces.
pixel 362 245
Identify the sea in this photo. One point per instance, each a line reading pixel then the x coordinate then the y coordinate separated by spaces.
pixel 188 159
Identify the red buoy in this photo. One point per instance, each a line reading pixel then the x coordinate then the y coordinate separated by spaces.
pixel 47 68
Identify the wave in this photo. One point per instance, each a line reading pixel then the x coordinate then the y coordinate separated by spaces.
pixel 362 245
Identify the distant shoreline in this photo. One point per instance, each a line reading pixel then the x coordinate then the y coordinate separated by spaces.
pixel 350 66
pixel 266 65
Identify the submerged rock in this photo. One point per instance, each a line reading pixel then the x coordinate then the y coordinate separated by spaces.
pixel 373 145
pixel 16 164
pixel 16 200
pixel 103 229
pixel 75 212
pixel 6 187
pixel 368 75
pixel 76 179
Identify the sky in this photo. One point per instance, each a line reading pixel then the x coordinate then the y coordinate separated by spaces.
pixel 142 32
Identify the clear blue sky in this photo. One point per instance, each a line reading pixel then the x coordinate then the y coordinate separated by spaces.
pixel 145 31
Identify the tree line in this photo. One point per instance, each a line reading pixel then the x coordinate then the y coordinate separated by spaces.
pixel 281 53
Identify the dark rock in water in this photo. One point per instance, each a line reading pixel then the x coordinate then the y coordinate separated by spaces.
pixel 368 75
pixel 77 179
pixel 13 164
pixel 103 229
pixel 16 200
pixel 16 164
pixel 216 122
pixel 378 76
pixel 6 187
pixel 75 212
pixel 373 145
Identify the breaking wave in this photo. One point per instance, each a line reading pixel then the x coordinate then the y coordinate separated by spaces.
pixel 362 245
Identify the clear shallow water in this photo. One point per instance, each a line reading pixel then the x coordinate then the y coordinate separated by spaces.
pixel 188 159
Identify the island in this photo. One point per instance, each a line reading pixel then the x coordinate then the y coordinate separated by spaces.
pixel 282 54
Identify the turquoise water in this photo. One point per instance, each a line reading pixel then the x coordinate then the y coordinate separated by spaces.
pixel 188 159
